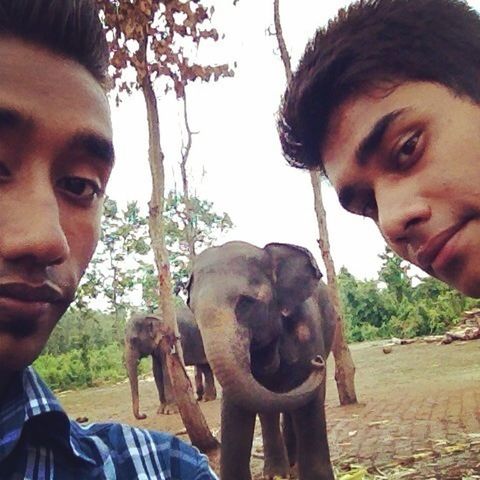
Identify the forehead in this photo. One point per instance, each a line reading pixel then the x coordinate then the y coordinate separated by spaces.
pixel 50 88
pixel 355 118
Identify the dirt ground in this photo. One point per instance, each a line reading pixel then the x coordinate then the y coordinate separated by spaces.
pixel 418 414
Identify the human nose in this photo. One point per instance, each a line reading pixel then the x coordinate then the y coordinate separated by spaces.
pixel 400 213
pixel 31 230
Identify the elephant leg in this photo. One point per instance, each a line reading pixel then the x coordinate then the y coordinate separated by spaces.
pixel 236 437
pixel 312 444
pixel 210 390
pixel 199 382
pixel 164 387
pixel 289 438
pixel 131 359
pixel 276 462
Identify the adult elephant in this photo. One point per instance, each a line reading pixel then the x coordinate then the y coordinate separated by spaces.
pixel 267 327
pixel 140 333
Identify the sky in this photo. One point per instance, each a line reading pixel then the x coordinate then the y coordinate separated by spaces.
pixel 236 160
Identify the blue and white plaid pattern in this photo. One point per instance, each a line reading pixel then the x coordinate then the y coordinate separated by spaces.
pixel 39 442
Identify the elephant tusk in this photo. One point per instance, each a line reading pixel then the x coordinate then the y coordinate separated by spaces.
pixel 318 363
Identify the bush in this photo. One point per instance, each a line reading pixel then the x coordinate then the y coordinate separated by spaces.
pixel 81 368
pixel 394 306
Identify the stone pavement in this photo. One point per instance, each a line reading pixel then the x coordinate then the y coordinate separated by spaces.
pixel 419 407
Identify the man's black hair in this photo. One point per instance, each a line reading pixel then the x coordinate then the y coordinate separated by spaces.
pixel 70 28
pixel 373 43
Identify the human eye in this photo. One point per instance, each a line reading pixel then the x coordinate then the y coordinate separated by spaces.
pixel 81 190
pixel 408 151
pixel 4 172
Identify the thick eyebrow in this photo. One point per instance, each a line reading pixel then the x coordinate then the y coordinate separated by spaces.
pixel 372 141
pixel 12 119
pixel 94 145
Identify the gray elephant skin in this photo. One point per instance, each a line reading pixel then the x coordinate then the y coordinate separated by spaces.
pixel 140 333
pixel 267 325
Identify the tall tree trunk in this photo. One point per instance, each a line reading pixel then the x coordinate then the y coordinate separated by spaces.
pixel 190 412
pixel 190 230
pixel 344 366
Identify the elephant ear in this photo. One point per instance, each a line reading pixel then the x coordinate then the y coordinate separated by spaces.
pixel 151 323
pixel 295 274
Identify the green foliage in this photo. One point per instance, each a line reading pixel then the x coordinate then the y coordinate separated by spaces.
pixel 87 329
pixel 71 370
pixel 394 274
pixel 366 308
pixel 123 270
pixel 394 306
pixel 113 273
pixel 200 222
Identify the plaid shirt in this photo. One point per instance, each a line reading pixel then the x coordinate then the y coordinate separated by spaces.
pixel 38 441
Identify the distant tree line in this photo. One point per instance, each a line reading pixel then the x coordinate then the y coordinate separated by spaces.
pixel 398 303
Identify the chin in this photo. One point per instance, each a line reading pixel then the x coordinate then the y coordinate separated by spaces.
pixel 471 290
pixel 467 283
pixel 15 354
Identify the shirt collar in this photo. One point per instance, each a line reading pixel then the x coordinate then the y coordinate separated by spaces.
pixel 29 404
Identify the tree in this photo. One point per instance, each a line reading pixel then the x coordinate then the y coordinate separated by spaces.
pixel 366 308
pixel 398 303
pixel 190 225
pixel 394 273
pixel 123 236
pixel 204 225
pixel 113 272
pixel 122 260
pixel 344 367
pixel 154 37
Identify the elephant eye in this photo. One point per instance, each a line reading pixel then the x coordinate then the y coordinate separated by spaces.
pixel 246 306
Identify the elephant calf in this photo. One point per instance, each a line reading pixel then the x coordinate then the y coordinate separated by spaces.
pixel 140 333
pixel 267 326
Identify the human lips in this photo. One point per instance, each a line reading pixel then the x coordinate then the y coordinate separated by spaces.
pixel 428 252
pixel 23 299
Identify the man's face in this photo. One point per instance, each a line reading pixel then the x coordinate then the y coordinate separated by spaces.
pixel 55 160
pixel 409 158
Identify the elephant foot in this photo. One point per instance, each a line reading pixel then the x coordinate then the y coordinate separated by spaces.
pixel 276 469
pixel 167 409
pixel 280 475
pixel 140 416
pixel 209 396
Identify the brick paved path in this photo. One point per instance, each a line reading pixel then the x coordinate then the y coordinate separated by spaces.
pixel 419 406
pixel 417 397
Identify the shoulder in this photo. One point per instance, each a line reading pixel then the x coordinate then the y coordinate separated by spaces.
pixel 138 452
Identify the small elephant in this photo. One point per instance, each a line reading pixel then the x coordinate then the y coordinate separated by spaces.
pixel 267 325
pixel 140 333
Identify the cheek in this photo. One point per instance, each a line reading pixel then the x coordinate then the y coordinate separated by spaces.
pixel 82 232
pixel 465 187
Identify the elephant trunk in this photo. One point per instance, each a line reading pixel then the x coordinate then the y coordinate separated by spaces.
pixel 131 362
pixel 227 346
